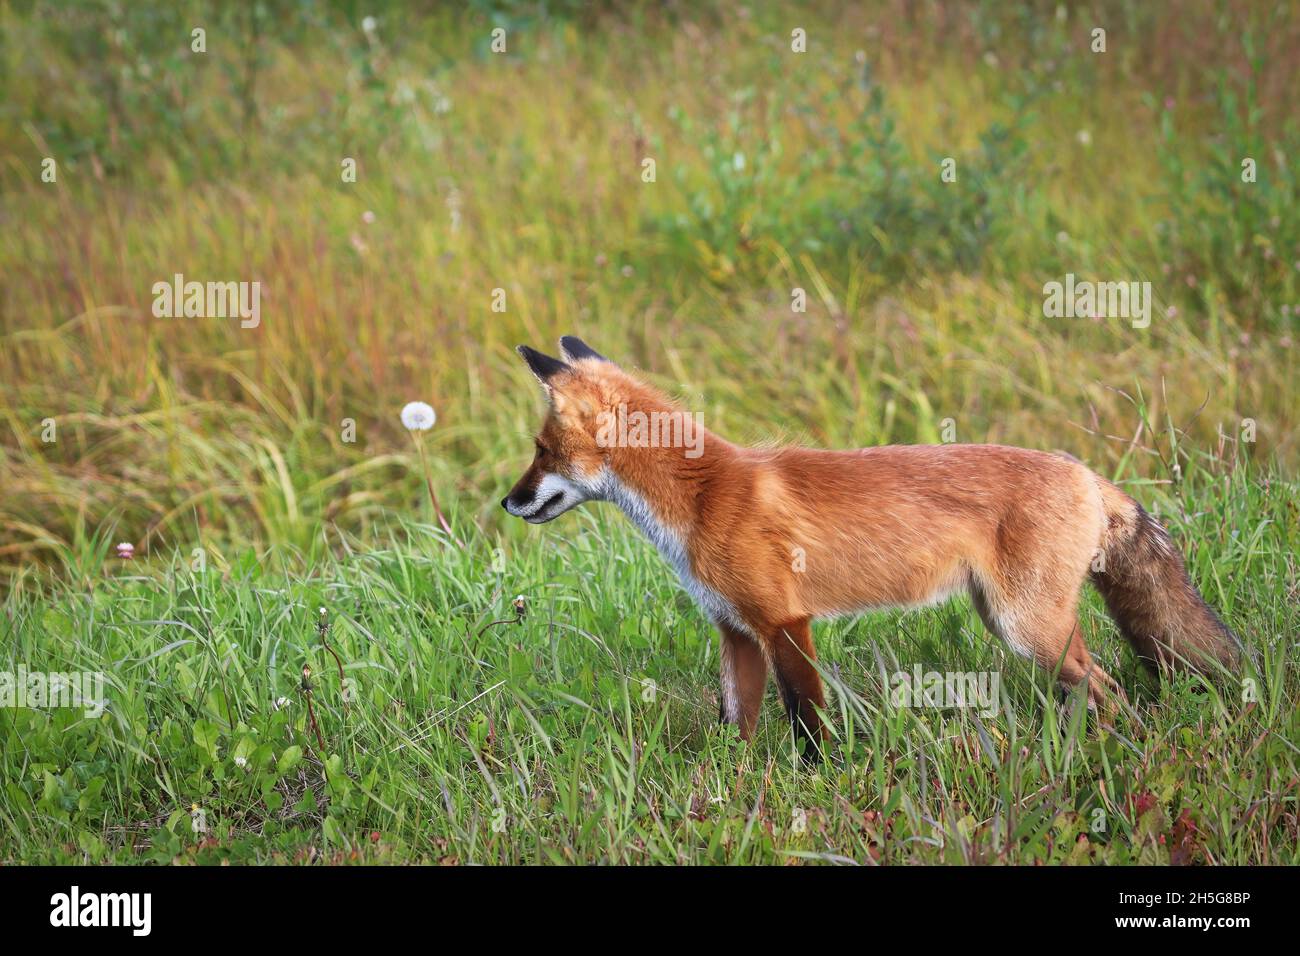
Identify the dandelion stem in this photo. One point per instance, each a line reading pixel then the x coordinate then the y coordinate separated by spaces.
pixel 311 713
pixel 323 629
pixel 433 497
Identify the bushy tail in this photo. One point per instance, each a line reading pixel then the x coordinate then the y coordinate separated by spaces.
pixel 1148 593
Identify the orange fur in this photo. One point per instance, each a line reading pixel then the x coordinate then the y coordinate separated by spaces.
pixel 769 539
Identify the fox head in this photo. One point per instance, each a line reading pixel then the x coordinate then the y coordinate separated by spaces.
pixel 570 465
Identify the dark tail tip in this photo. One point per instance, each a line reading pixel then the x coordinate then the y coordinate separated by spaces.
pixel 1158 609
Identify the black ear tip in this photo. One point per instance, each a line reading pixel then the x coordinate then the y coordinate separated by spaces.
pixel 574 348
pixel 542 365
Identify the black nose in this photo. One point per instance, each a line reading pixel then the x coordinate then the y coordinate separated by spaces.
pixel 504 501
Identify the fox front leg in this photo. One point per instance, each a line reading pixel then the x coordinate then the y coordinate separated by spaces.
pixel 744 677
pixel 793 657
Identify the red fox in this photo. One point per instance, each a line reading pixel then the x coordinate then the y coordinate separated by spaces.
pixel 768 539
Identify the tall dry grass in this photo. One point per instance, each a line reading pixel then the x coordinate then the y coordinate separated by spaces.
pixel 523 172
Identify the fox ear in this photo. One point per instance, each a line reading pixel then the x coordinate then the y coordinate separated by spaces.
pixel 573 348
pixel 543 366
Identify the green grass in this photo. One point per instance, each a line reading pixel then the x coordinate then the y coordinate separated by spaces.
pixel 587 732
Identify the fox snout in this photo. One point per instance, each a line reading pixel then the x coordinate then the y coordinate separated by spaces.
pixel 522 499
pixel 533 494
pixel 539 498
pixel 520 503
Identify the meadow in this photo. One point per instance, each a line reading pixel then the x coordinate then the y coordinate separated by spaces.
pixel 303 665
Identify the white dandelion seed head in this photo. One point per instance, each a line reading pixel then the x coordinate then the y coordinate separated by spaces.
pixel 418 416
pixel 368 24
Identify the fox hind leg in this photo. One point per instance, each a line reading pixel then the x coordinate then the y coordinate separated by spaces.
pixel 1077 664
pixel 1050 634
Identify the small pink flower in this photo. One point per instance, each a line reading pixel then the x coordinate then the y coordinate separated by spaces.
pixel 368 217
pixel 126 551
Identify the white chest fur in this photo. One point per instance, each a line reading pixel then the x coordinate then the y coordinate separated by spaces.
pixel 670 545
